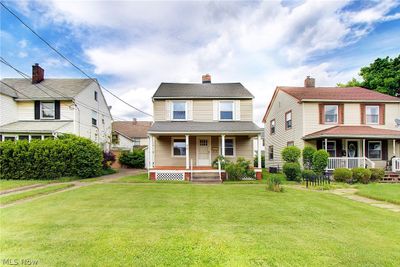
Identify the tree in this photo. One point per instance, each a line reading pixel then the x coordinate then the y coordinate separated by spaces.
pixel 383 75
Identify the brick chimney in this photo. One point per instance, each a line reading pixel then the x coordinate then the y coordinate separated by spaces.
pixel 206 78
pixel 309 82
pixel 37 73
pixel 134 121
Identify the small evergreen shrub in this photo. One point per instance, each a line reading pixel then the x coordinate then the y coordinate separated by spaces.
pixel 361 175
pixel 291 154
pixel 320 161
pixel 292 171
pixel 342 175
pixel 239 169
pixel 308 175
pixel 377 174
pixel 308 154
pixel 133 159
pixel 223 161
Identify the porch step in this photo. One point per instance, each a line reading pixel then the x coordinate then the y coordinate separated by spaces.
pixel 206 177
pixel 391 177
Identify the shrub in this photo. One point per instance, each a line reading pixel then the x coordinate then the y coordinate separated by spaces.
pixel 342 175
pixel 223 161
pixel 308 154
pixel 309 175
pixel 108 159
pixel 262 161
pixel 291 154
pixel 240 169
pixel 377 174
pixel 320 161
pixel 361 175
pixel 68 155
pixel 133 159
pixel 274 184
pixel 292 171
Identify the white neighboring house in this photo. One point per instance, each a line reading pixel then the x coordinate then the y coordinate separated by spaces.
pixel 130 134
pixel 43 108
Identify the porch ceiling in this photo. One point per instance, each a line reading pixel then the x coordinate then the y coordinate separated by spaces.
pixel 354 132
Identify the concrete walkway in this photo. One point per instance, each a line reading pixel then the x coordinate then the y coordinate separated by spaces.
pixel 76 184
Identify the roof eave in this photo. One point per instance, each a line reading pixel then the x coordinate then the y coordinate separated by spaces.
pixel 350 101
pixel 203 97
pixel 388 136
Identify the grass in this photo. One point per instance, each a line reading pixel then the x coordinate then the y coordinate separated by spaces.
pixel 384 192
pixel 186 224
pixel 6 199
pixel 11 184
pixel 144 178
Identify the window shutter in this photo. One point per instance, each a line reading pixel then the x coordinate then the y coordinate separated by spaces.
pixel 382 114
pixel 57 109
pixel 189 111
pixel 37 110
pixel 341 113
pixel 167 110
pixel 237 110
pixel 215 110
pixel 321 114
pixel 362 113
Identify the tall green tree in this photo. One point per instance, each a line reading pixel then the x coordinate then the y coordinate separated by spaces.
pixel 383 75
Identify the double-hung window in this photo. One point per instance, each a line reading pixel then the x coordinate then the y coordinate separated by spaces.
pixel 229 147
pixel 272 126
pixel 226 110
pixel 372 114
pixel 271 152
pixel 375 149
pixel 331 149
pixel 179 110
pixel 179 147
pixel 331 114
pixel 94 118
pixel 288 120
pixel 47 110
pixel 95 95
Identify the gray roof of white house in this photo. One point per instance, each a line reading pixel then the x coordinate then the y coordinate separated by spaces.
pixel 47 89
pixel 202 90
pixel 33 126
pixel 204 127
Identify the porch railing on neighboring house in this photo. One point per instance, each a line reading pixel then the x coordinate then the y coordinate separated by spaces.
pixel 396 164
pixel 349 163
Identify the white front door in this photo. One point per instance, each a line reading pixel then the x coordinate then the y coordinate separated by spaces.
pixel 203 151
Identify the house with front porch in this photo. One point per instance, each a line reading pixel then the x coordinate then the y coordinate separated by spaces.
pixel 194 123
pixel 358 127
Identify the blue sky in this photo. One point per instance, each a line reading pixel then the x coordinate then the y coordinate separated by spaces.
pixel 131 47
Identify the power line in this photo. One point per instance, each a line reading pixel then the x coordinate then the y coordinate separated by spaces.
pixel 69 61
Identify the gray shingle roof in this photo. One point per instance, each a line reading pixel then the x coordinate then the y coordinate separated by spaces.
pixel 49 88
pixel 204 127
pixel 33 126
pixel 201 90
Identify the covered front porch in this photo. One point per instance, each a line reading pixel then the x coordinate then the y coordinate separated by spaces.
pixel 180 156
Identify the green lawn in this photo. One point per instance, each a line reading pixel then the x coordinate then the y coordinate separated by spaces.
pixel 385 192
pixel 186 224
pixel 5 199
pixel 144 178
pixel 11 184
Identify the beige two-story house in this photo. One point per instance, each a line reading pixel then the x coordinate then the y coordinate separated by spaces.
pixel 41 107
pixel 358 127
pixel 196 123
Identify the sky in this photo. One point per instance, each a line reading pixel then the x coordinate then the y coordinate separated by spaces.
pixel 131 47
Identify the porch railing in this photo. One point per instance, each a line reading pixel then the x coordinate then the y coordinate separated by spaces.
pixel 349 163
pixel 396 164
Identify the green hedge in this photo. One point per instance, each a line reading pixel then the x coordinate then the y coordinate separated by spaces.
pixel 377 174
pixel 133 159
pixel 292 171
pixel 361 175
pixel 50 159
pixel 320 161
pixel 291 154
pixel 342 175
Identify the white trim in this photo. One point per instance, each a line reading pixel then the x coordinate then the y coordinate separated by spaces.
pixel 366 114
pixel 172 146
pixel 233 110
pixel 186 171
pixel 234 147
pixel 337 114
pixel 206 133
pixel 325 146
pixel 209 147
pixel 380 142
pixel 172 110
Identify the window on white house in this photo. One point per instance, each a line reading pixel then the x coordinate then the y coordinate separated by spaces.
pixel 226 110
pixel 375 149
pixel 288 120
pixel 95 95
pixel 272 126
pixel 94 118
pixel 229 147
pixel 36 137
pixel 23 137
pixel 47 110
pixel 331 113
pixel 9 138
pixel 179 110
pixel 331 148
pixel 372 114
pixel 271 152
pixel 290 143
pixel 179 147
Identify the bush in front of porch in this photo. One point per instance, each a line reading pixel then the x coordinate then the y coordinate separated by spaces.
pixel 239 169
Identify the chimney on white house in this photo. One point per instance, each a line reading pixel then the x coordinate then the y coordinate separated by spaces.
pixel 309 82
pixel 206 78
pixel 37 73
pixel 134 121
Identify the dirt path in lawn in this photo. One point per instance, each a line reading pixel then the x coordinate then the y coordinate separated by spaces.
pixel 76 184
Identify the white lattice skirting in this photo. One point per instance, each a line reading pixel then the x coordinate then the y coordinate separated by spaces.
pixel 170 176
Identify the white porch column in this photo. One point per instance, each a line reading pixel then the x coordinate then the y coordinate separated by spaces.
pixel 326 144
pixel 394 147
pixel 259 150
pixel 187 152
pixel 364 149
pixel 150 151
pixel 223 145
